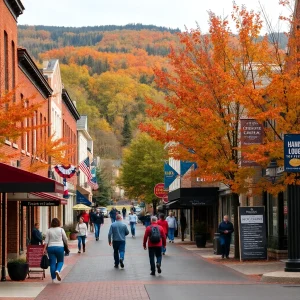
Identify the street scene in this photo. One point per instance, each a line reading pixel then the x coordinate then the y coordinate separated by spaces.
pixel 149 150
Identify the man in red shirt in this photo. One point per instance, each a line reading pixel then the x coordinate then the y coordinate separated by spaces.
pixel 164 224
pixel 156 238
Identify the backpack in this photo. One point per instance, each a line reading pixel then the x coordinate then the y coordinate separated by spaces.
pixel 154 235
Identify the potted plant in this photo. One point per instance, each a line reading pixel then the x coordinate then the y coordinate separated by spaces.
pixel 17 269
pixel 73 232
pixel 200 233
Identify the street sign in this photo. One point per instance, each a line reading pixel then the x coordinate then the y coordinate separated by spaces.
pixel 159 191
pixel 252 230
pixel 292 153
pixel 40 203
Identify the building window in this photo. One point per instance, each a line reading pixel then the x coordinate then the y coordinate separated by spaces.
pixel 34 123
pixel 22 125
pixel 6 84
pixel 13 69
pixel 26 125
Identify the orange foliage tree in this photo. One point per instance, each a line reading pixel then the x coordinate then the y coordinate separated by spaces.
pixel 216 80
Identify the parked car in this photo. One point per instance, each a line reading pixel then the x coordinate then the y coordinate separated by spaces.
pixel 137 210
pixel 104 211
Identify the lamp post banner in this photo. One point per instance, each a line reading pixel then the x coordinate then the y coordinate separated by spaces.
pixel 251 134
pixel 292 153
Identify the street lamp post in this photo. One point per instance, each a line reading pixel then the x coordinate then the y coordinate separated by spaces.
pixel 293 262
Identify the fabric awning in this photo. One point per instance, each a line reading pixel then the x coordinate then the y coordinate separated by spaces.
pixel 173 205
pixel 47 196
pixel 81 199
pixel 15 180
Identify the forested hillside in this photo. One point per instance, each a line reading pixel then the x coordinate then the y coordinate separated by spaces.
pixel 108 71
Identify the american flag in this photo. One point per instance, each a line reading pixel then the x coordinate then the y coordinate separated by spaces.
pixel 84 166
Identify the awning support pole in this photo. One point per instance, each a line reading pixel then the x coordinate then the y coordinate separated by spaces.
pixel 3 217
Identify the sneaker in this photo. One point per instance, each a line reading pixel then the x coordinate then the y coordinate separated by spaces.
pixel 227 257
pixel 115 266
pixel 58 276
pixel 121 263
pixel 170 241
pixel 158 268
pixel 164 253
pixel 173 242
pixel 152 273
pixel 54 281
pixel 79 251
pixel 222 256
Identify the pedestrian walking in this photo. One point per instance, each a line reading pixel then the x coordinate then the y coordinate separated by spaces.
pixel 98 220
pixel 132 218
pixel 54 245
pixel 225 230
pixel 133 208
pixel 91 222
pixel 156 238
pixel 164 224
pixel 172 224
pixel 147 220
pixel 124 211
pixel 36 235
pixel 117 238
pixel 183 224
pixel 81 229
pixel 86 218
pixel 113 214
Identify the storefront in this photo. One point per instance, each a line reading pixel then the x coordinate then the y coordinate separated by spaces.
pixel 197 204
pixel 17 219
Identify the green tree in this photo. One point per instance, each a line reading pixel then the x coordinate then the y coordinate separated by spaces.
pixel 142 168
pixel 104 193
pixel 126 132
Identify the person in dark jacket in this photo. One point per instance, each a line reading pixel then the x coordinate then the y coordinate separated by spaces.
pixel 98 220
pixel 124 211
pixel 183 224
pixel 36 235
pixel 113 215
pixel 225 230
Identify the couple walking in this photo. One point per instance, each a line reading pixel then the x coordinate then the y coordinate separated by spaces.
pixel 154 236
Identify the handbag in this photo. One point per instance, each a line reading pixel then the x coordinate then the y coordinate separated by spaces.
pixel 66 248
pixel 44 262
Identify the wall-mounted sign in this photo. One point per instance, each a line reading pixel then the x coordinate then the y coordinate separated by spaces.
pixel 159 191
pixel 40 203
pixel 251 134
pixel 292 153
pixel 252 229
pixel 170 175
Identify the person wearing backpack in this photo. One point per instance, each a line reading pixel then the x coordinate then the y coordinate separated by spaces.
pixel 156 238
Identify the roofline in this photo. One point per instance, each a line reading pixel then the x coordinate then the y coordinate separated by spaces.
pixel 15 7
pixel 86 133
pixel 30 69
pixel 69 103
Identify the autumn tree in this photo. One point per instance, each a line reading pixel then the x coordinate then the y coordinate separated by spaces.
pixel 142 168
pixel 126 132
pixel 216 80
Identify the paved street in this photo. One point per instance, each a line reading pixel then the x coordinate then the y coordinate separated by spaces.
pixel 183 273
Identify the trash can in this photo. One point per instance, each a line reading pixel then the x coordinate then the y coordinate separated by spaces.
pixel 217 244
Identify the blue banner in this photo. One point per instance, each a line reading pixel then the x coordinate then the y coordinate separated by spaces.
pixel 185 166
pixel 170 175
pixel 292 153
pixel 80 199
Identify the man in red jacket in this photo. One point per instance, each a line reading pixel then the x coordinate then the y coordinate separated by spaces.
pixel 164 224
pixel 156 238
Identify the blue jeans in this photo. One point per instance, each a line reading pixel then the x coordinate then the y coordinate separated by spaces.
pixel 147 223
pixel 119 251
pixel 225 244
pixel 81 238
pixel 132 228
pixel 154 252
pixel 113 219
pixel 56 256
pixel 171 234
pixel 163 249
pixel 97 230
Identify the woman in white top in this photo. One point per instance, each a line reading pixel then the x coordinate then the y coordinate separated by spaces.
pixel 54 243
pixel 81 228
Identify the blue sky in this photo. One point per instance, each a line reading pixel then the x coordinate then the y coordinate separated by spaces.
pixel 170 13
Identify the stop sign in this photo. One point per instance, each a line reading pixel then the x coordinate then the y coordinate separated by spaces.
pixel 159 191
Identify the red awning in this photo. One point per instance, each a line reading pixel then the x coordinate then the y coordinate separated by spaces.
pixel 15 180
pixel 51 197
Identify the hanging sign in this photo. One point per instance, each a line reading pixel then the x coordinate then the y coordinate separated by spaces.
pixel 170 175
pixel 159 191
pixel 185 166
pixel 251 134
pixel 40 203
pixel 292 153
